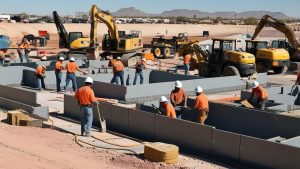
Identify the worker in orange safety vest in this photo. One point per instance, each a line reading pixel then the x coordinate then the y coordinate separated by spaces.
pixel 201 105
pixel 261 95
pixel 118 71
pixel 168 108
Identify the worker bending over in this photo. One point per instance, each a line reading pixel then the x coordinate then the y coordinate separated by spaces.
pixel 118 70
pixel 72 68
pixel 40 75
pixel 178 98
pixel 186 63
pixel 201 105
pixel 86 98
pixel 58 72
pixel 261 95
pixel 139 66
pixel 168 108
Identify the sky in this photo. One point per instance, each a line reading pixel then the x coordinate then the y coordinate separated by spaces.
pixel 69 7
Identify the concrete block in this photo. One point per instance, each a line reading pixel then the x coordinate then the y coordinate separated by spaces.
pixel 268 154
pixel 120 119
pixel 18 94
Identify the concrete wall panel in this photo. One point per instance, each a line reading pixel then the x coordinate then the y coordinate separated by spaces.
pixel 142 124
pixel 188 135
pixel 18 94
pixel 269 154
pixel 226 144
pixel 120 119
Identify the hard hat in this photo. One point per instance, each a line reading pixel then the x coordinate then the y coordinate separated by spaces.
pixel 44 66
pixel 163 99
pixel 178 84
pixel 108 57
pixel 255 84
pixel 88 80
pixel 72 59
pixel 144 60
pixel 119 58
pixel 198 89
pixel 61 58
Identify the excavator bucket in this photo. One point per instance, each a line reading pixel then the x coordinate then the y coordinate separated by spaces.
pixel 92 53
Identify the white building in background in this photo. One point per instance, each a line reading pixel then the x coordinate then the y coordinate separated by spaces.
pixel 81 14
pixel 4 17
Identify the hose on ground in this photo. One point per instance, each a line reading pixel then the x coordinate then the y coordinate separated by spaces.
pixel 108 148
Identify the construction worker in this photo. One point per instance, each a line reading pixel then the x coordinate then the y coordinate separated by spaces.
pixel 118 70
pixel 86 98
pixel 40 75
pixel 72 68
pixel 178 98
pixel 261 95
pixel 139 66
pixel 201 105
pixel 23 49
pixel 168 108
pixel 58 72
pixel 186 63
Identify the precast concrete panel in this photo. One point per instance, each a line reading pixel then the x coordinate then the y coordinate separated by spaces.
pixel 71 107
pixel 157 76
pixel 191 136
pixel 12 75
pixel 250 122
pixel 269 154
pixel 18 94
pixel 142 124
pixel 107 90
pixel 287 126
pixel 105 109
pixel 225 144
pixel 120 119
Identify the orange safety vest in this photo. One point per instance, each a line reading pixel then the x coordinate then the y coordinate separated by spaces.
pixel 118 66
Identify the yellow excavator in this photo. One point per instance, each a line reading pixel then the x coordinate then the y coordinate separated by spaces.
pixel 268 58
pixel 292 46
pixel 116 43
pixel 222 60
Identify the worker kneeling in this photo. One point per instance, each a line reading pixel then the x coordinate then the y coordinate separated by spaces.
pixel 261 95
pixel 201 105
pixel 168 108
pixel 86 98
pixel 178 98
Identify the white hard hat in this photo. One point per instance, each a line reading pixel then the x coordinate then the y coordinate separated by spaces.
pixel 198 89
pixel 144 60
pixel 255 84
pixel 178 84
pixel 72 59
pixel 61 58
pixel 108 57
pixel 163 99
pixel 119 58
pixel 88 80
pixel 44 66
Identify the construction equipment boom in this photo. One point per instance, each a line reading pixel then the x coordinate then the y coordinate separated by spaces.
pixel 115 43
pixel 285 29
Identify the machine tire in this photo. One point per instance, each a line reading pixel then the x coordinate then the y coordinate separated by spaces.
pixel 261 67
pixel 280 70
pixel 230 71
pixel 157 52
pixel 166 52
pixel 204 70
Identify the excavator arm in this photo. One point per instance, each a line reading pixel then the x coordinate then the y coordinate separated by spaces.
pixel 278 25
pixel 98 15
pixel 62 32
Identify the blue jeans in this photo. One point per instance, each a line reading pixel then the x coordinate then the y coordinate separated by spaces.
pixel 186 68
pixel 58 76
pixel 71 77
pixel 86 119
pixel 116 77
pixel 41 83
pixel 26 52
pixel 136 76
